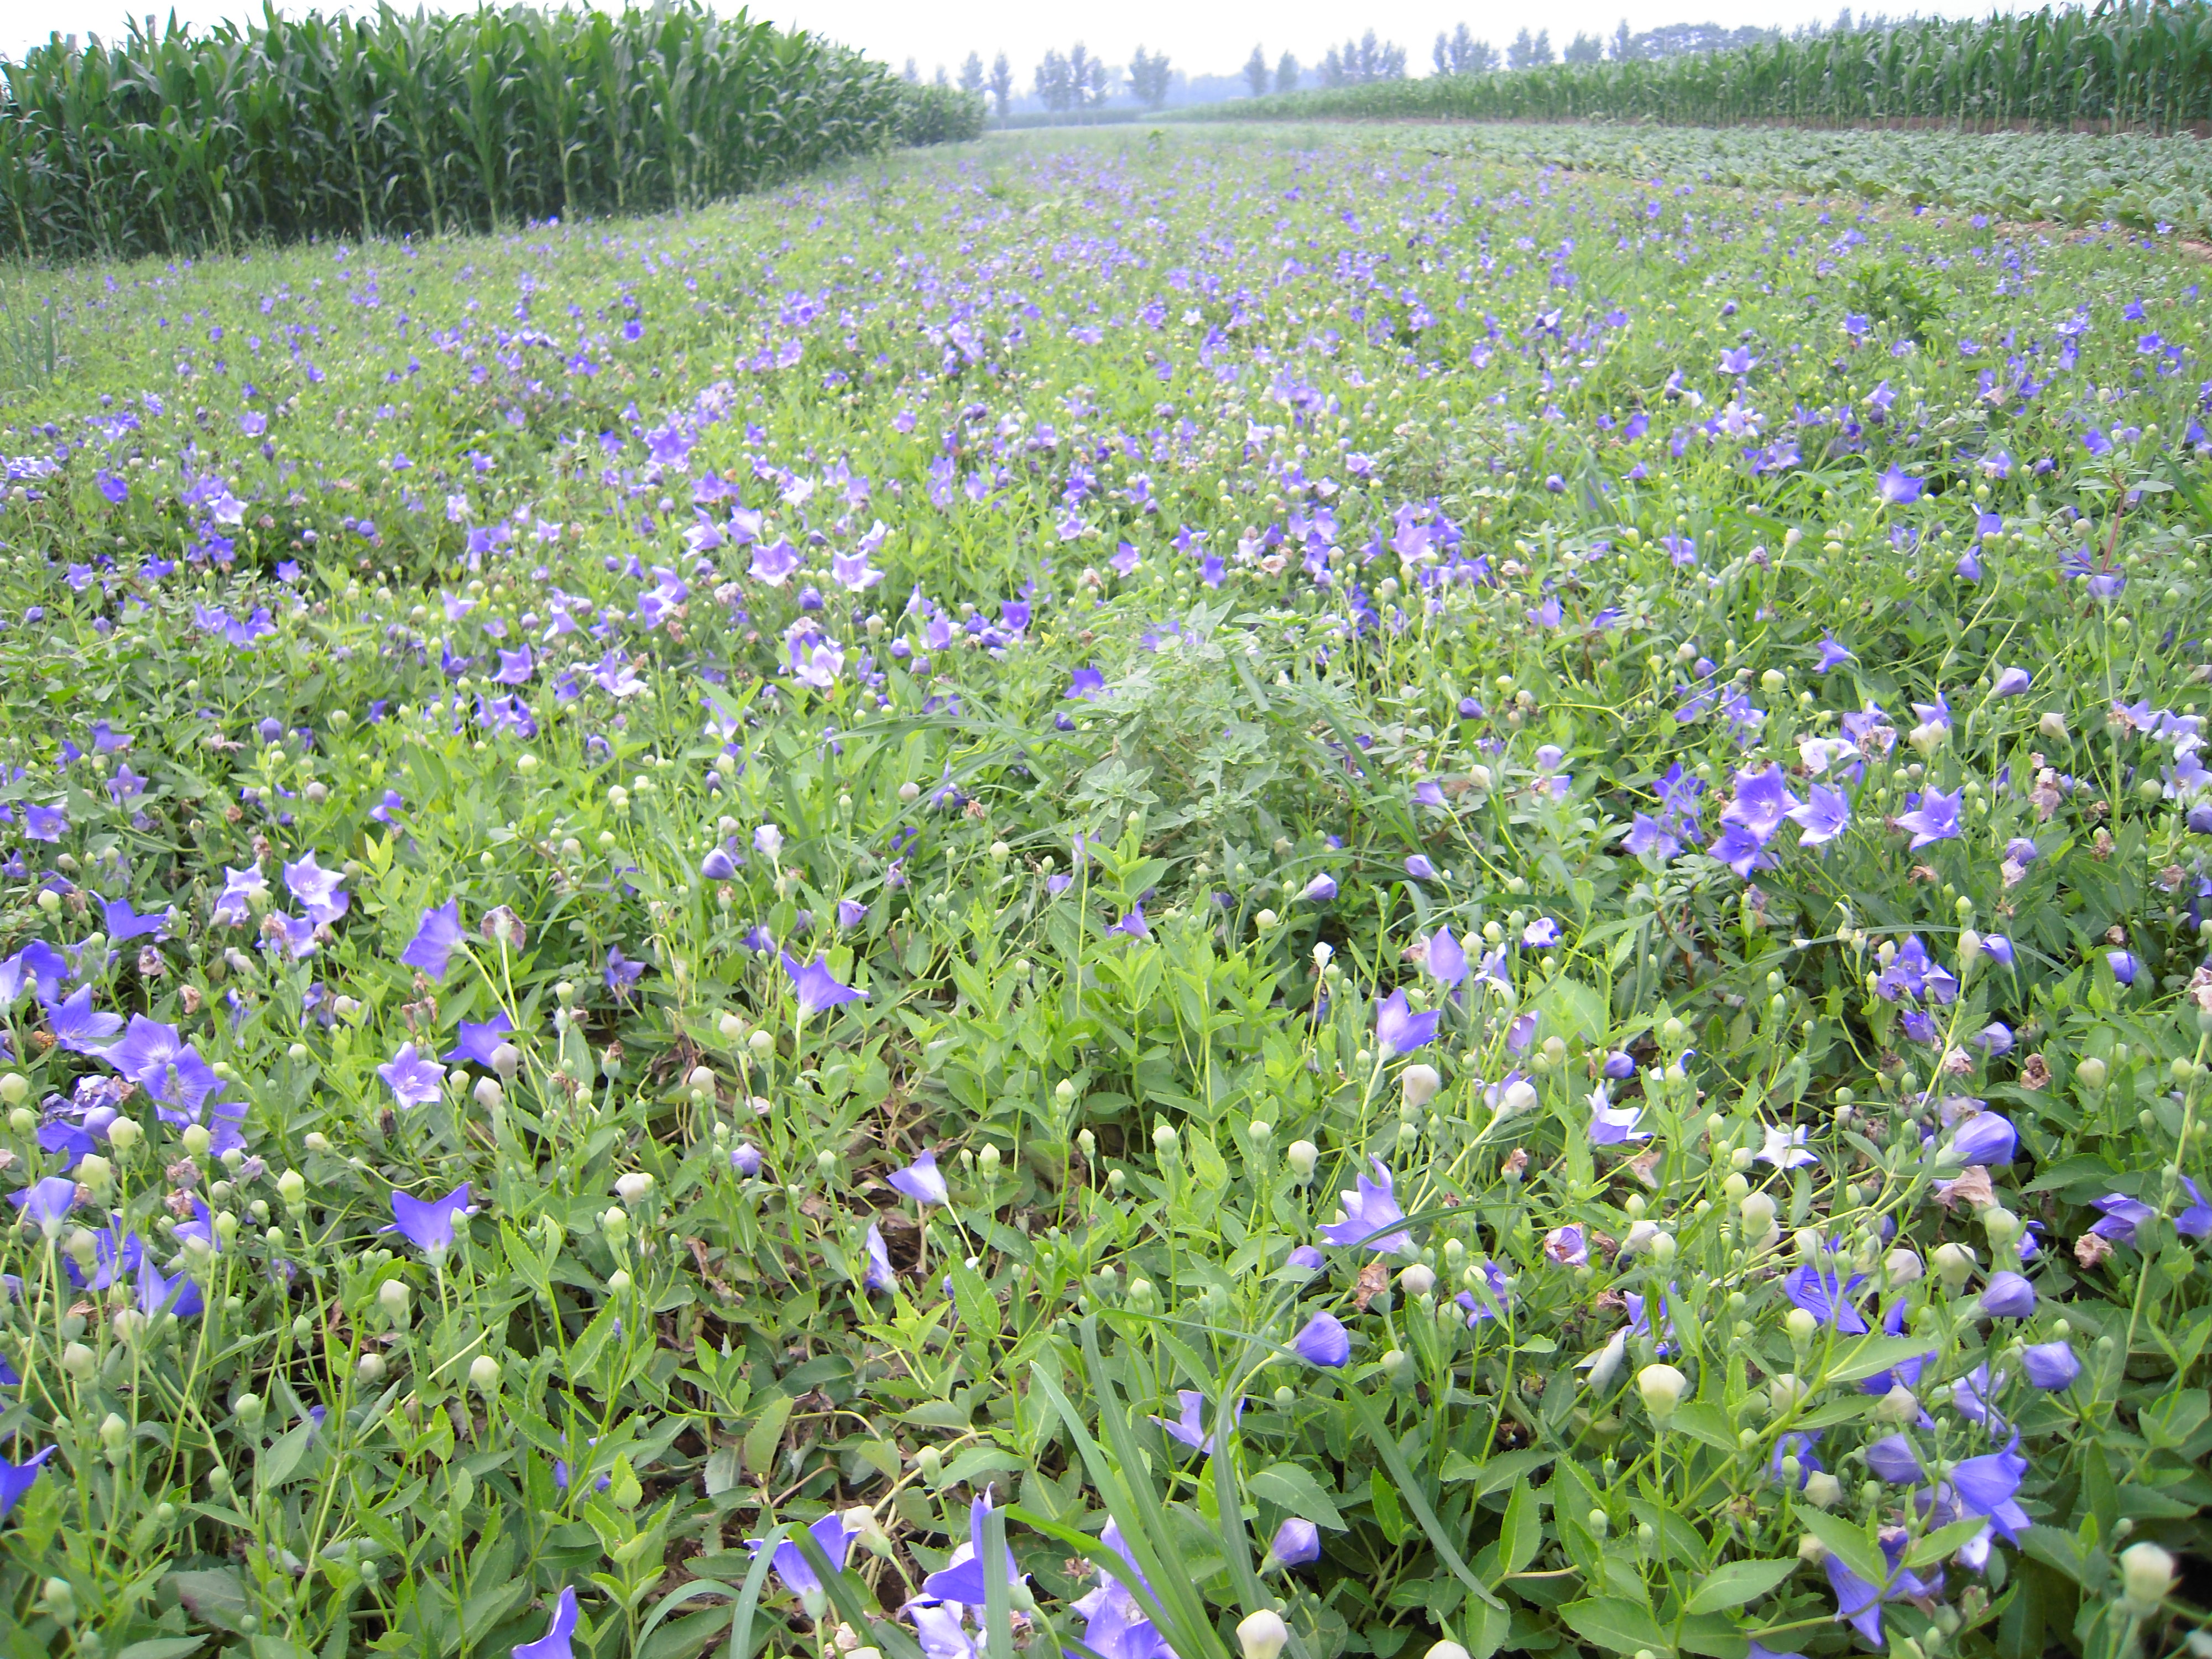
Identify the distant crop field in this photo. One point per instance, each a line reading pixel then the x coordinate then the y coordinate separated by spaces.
pixel 1314 890
pixel 2139 64
pixel 344 126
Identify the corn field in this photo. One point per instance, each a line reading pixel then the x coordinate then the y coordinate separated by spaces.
pixel 393 124
pixel 2145 66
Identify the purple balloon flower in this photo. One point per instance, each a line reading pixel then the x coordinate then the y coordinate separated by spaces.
pixel 964 1581
pixel 1370 1214
pixel 16 1479
pixel 428 1224
pixel 1447 958
pixel 416 1079
pixel 1296 1542
pixel 791 1567
pixel 818 987
pixel 2008 1296
pixel 1985 1138
pixel 554 1644
pixel 2051 1364
pixel 921 1181
pixel 1324 1341
pixel 46 1202
pixel 437 936
pixel 1826 1297
pixel 880 1275
pixel 2122 1216
pixel 1936 818
pixel 1398 1029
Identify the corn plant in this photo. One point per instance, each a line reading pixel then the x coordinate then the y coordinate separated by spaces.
pixel 173 141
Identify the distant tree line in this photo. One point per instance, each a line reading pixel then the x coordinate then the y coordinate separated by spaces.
pixel 1077 80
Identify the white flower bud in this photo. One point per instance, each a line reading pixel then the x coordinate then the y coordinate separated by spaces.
pixel 1662 1388
pixel 2146 1576
pixel 1900 1405
pixel 122 1134
pixel 484 1373
pixel 1418 1280
pixel 507 1060
pixel 1520 1097
pixel 633 1187
pixel 1954 1263
pixel 1262 1634
pixel 1905 1267
pixel 1418 1085
pixel 1303 1155
pixel 489 1094
pixel 1758 1227
pixel 1822 1490
pixel 1801 1325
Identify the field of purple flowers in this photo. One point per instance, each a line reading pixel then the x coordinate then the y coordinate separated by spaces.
pixel 1167 897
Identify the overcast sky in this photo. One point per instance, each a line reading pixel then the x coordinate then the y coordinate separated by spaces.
pixel 1213 38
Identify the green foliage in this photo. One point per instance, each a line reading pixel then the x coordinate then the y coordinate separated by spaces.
pixel 2134 65
pixel 1137 610
pixel 391 125
pixel 941 115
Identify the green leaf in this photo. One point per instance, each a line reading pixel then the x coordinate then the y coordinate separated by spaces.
pixel 1737 1584
pixel 163 1647
pixel 767 1432
pixel 215 1596
pixel 1522 1535
pixel 978 1307
pixel 1933 1547
pixel 1293 1487
pixel 1409 1488
pixel 1702 1420
pixel 1847 1543
pixel 1861 1360
pixel 283 1455
pixel 1617 1624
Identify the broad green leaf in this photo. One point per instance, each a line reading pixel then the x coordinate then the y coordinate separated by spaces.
pixel 1737 1584
pixel 1294 1487
pixel 1616 1625
pixel 1847 1543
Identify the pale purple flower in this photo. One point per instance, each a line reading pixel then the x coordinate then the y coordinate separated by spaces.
pixel 239 889
pixel 921 1181
pixel 16 1479
pixel 2011 682
pixel 2008 1296
pixel 427 1223
pixel 1418 867
pixel 46 1202
pixel 555 1643
pixel 317 890
pixel 1370 1212
pixel 879 1275
pixel 2125 965
pixel 1611 1125
pixel 2051 1364
pixel 816 988
pixel 1320 889
pixel 416 1079
pixel 1324 1341
pixel 1898 488
pixel 1399 1030
pixel 1296 1542
pixel 2122 1216
pixel 1824 815
pixel 1936 818
pixel 437 936
pixel 1447 958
